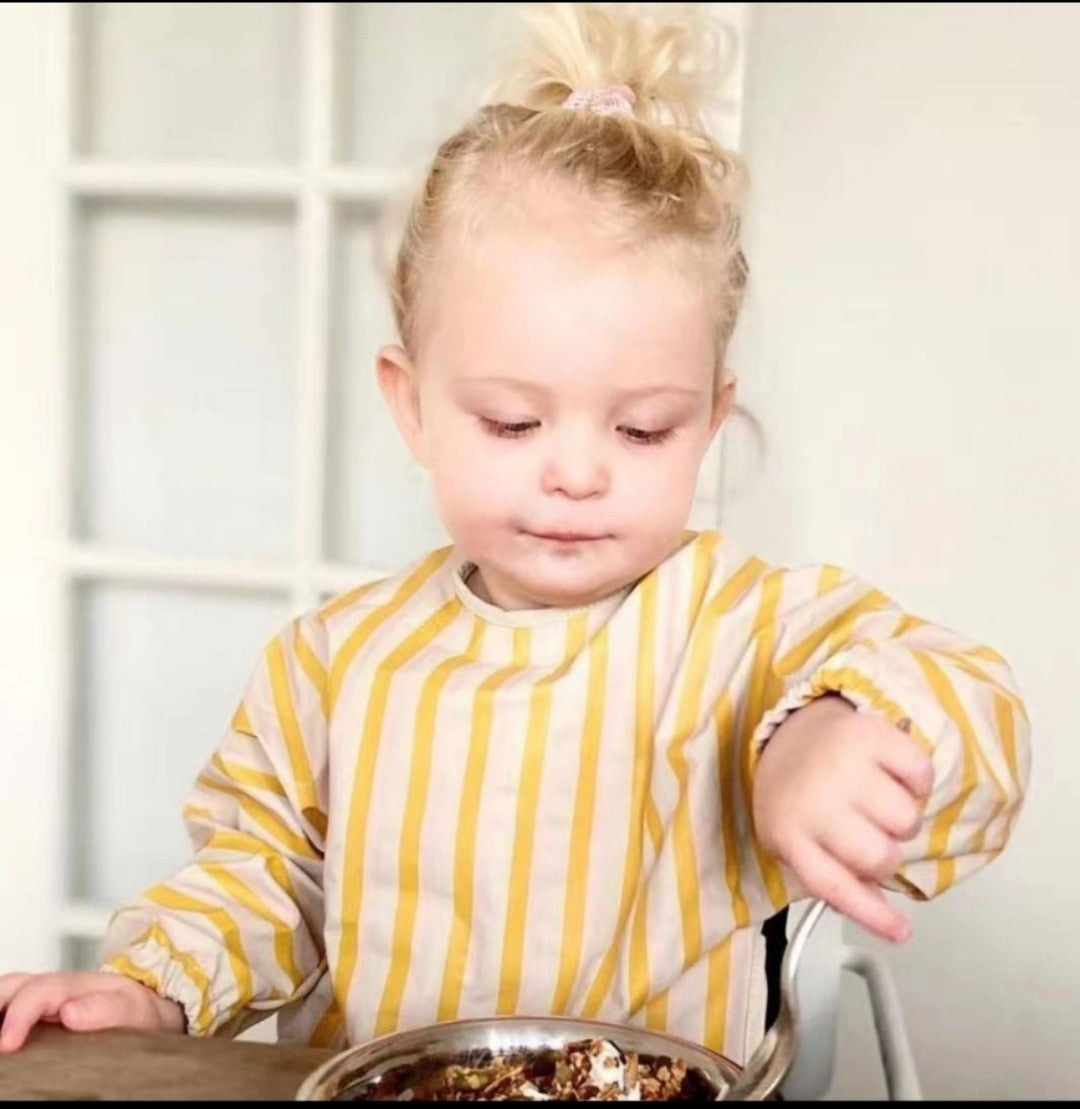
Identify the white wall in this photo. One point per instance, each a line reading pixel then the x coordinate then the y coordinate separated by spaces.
pixel 28 784
pixel 911 345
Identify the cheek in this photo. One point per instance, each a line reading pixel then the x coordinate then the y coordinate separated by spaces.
pixel 669 481
pixel 474 484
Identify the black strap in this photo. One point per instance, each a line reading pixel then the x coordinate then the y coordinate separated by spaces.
pixel 775 932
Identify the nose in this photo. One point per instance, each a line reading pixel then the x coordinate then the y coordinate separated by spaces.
pixel 575 468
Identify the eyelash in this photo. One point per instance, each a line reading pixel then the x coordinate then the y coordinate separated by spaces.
pixel 519 428
pixel 647 438
pixel 514 430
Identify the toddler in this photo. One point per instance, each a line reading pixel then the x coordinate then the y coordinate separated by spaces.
pixel 571 764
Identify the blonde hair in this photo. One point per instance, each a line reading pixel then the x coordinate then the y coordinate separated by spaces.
pixel 657 173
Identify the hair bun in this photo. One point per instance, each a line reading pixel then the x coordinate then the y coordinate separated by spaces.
pixel 668 57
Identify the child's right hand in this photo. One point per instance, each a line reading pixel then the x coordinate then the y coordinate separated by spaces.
pixel 84 1001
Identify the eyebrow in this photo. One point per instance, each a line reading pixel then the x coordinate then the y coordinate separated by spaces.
pixel 626 394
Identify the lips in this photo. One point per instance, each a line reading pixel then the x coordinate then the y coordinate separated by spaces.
pixel 559 535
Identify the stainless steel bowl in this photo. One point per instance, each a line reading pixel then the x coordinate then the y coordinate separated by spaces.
pixel 364 1064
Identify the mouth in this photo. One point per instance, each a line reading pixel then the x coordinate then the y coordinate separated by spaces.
pixel 560 536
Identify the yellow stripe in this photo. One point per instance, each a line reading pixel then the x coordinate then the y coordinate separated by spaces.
pixel 242 894
pixel 829 579
pixel 656 1013
pixel 653 824
pixel 240 722
pixel 582 823
pixel 644 708
pixel 374 619
pixel 228 839
pixel 644 726
pixel 295 744
pixel 716 993
pixel 980 675
pixel 227 927
pixel 245 776
pixel 1006 728
pixel 962 660
pixel 836 632
pixel 908 623
pixel 688 720
pixel 764 691
pixel 728 768
pixel 973 754
pixel 311 664
pixel 987 654
pixel 705 544
pixel 338 604
pixel 412 823
pixel 638 970
pixel 457 950
pixel 655 1008
pixel 703 564
pixel 946 696
pixel 269 821
pixel 528 800
pixel 362 787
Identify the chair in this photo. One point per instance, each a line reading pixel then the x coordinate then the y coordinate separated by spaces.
pixel 818 979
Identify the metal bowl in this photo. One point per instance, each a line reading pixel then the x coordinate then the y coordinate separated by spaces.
pixel 459 1039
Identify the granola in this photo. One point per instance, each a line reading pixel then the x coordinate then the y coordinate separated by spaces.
pixel 587 1070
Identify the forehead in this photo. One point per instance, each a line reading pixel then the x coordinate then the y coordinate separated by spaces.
pixel 557 303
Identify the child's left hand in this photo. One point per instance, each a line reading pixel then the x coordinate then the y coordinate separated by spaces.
pixel 836 793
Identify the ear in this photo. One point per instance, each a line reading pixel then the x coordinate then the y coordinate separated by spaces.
pixel 397 380
pixel 723 400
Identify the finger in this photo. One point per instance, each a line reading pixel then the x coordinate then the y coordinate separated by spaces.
pixel 891 807
pixel 907 762
pixel 10 984
pixel 38 999
pixel 105 1009
pixel 862 847
pixel 859 900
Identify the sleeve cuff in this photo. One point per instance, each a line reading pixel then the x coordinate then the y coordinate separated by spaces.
pixel 156 967
pixel 864 678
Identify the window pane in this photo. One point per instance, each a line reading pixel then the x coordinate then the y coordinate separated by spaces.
pixel 380 512
pixel 410 74
pixel 161 673
pixel 187 379
pixel 200 82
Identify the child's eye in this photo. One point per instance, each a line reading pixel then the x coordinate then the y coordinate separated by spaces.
pixel 649 438
pixel 514 429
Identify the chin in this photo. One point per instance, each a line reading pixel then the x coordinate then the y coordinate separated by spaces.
pixel 569 591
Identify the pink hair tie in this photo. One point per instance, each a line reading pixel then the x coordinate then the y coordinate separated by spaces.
pixel 613 100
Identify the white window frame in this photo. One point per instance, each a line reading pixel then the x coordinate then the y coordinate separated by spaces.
pixel 315 186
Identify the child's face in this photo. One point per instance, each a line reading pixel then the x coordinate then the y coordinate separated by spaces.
pixel 562 397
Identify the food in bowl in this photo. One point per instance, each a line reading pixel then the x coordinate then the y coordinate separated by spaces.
pixel 583 1070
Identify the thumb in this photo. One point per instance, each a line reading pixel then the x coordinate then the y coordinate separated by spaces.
pixel 104 1009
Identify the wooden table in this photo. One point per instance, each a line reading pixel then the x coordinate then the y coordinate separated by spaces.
pixel 121 1066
